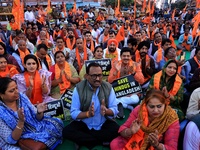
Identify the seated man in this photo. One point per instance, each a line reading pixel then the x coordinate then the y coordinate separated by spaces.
pixel 123 68
pixel 93 106
pixel 191 65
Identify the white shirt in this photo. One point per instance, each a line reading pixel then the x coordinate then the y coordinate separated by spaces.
pixel 29 16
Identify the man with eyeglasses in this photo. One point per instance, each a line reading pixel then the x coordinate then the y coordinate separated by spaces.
pixel 93 107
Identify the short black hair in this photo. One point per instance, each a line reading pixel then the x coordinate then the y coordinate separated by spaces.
pixel 125 49
pixel 87 32
pixel 42 46
pixel 167 50
pixel 132 41
pixel 58 38
pixel 4 81
pixel 31 56
pixel 93 64
pixel 167 40
pixel 144 43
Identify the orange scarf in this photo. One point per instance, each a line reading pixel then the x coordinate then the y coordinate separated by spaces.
pixel 14 26
pixel 111 55
pixel 48 59
pixel 10 71
pixel 23 54
pixel 120 64
pixel 91 44
pixel 139 140
pixel 36 96
pixel 187 46
pixel 78 57
pixel 56 34
pixel 105 38
pixel 69 44
pixel 176 87
pixel 197 61
pixel 66 83
pixel 57 49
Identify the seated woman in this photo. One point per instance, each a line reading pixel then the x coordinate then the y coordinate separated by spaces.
pixel 20 119
pixel 10 59
pixel 63 77
pixel 151 125
pixel 98 54
pixel 7 70
pixel 168 81
pixel 36 84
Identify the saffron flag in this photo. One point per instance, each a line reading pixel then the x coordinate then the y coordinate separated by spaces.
pixel 22 12
pixel 74 8
pixel 144 6
pixel 173 14
pixel 49 7
pixel 120 35
pixel 117 9
pixel 16 13
pixel 148 7
pixel 64 9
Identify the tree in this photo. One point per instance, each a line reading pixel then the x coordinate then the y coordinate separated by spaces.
pixel 123 3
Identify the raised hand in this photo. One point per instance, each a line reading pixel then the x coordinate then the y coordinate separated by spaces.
pixel 41 107
pixel 135 126
pixel 103 107
pixel 20 113
pixel 43 79
pixel 165 92
pixel 91 110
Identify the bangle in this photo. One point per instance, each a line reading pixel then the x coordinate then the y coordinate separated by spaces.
pixel 87 114
pixel 18 128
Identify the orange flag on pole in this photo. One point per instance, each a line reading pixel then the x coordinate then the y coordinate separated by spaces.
pixel 49 7
pixel 64 9
pixel 117 9
pixel 173 14
pixel 144 5
pixel 22 12
pixel 153 7
pixel 16 13
pixel 120 35
pixel 74 7
pixel 148 7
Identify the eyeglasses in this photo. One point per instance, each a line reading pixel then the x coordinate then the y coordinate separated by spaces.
pixel 94 76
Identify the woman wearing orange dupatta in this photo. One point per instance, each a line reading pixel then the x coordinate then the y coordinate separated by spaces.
pixel 7 70
pixel 64 75
pixel 33 82
pixel 152 125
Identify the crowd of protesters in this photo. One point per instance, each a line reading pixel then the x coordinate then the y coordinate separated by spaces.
pixel 46 57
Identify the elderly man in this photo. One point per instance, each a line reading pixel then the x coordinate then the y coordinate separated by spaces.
pixel 112 51
pixel 79 54
pixel 93 106
pixel 20 53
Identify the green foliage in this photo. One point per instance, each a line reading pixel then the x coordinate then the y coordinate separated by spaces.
pixel 179 5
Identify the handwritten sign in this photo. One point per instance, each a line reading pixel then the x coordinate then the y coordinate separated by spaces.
pixel 66 99
pixel 55 109
pixel 105 64
pixel 125 86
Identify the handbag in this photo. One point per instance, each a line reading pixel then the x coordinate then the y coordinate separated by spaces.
pixel 30 144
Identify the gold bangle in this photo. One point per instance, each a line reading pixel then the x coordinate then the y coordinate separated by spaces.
pixel 18 128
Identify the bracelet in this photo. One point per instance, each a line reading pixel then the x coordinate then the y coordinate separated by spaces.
pixel 87 114
pixel 18 128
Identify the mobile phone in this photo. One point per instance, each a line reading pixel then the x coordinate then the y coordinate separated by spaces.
pixel 182 56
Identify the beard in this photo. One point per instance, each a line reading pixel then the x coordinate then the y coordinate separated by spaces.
pixel 142 54
pixel 111 49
